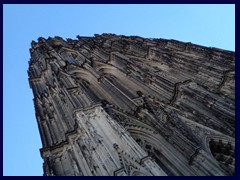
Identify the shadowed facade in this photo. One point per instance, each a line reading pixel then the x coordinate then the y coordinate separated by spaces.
pixel 126 105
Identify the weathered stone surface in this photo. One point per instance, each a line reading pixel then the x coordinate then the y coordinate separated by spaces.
pixel 117 105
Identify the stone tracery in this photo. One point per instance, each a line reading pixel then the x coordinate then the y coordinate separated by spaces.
pixel 153 97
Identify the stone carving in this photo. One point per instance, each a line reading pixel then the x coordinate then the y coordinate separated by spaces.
pixel 152 97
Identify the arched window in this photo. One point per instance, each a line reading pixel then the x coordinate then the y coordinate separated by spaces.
pixel 224 153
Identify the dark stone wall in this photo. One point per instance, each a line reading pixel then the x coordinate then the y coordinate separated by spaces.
pixel 183 92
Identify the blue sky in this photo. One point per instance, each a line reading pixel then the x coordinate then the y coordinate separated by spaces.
pixel 208 25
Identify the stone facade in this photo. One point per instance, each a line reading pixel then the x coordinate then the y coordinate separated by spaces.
pixel 114 105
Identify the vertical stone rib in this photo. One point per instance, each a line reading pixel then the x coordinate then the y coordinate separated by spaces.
pixel 105 104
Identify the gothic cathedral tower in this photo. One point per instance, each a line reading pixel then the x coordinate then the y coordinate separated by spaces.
pixel 115 105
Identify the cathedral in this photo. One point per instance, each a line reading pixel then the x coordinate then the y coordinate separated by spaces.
pixel 114 105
